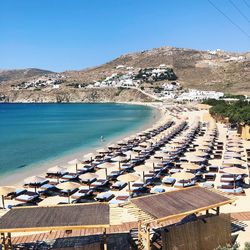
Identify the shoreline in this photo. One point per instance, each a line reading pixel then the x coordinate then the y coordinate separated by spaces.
pixel 16 178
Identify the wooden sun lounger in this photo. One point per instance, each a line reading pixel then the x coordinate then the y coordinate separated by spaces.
pixel 27 197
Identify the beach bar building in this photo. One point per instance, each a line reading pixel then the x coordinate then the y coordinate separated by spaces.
pixel 183 219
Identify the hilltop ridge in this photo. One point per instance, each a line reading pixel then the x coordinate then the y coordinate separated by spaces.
pixel 218 70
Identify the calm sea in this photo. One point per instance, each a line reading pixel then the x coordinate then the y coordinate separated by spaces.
pixel 31 133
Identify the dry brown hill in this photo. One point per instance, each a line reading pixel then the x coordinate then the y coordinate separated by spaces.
pixel 207 70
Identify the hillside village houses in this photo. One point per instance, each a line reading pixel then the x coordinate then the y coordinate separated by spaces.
pixel 196 95
pixel 52 81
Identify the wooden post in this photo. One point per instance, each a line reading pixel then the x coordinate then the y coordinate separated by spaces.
pixel 139 236
pixel 3 202
pixel 147 236
pixel 218 210
pixel 105 246
pixel 9 245
pixel 3 241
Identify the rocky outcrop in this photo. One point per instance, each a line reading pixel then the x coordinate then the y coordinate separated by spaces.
pixel 76 95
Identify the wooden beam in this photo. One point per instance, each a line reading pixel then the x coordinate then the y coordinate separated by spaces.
pixel 58 228
pixel 192 211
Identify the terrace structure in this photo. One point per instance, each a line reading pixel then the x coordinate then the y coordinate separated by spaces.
pixel 153 215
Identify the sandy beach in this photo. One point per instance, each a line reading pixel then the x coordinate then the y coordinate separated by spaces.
pixel 161 114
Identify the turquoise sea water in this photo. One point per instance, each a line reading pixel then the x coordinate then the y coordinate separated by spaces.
pixel 31 133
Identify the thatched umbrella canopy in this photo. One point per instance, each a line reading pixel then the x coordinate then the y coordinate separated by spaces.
pixel 102 151
pixel 234 171
pixel 68 186
pixel 5 190
pixel 120 158
pixel 34 181
pixel 235 149
pixel 183 176
pixel 193 158
pixel 105 166
pixel 233 161
pixel 130 177
pixel 190 166
pixel 89 157
pixel 138 148
pixel 160 155
pixel 75 162
pixel 87 177
pixel 56 170
pixel 51 201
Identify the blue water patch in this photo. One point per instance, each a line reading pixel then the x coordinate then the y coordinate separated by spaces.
pixel 30 133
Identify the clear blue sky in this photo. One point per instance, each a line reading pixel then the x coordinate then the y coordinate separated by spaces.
pixel 74 34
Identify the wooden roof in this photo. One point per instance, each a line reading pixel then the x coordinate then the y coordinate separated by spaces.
pixel 62 217
pixel 175 204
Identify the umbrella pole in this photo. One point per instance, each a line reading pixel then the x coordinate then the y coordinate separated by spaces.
pixel 143 177
pixel 3 202
pixel 106 172
pixel 68 197
pixel 76 168
pixel 119 166
pixel 234 183
pixel 35 189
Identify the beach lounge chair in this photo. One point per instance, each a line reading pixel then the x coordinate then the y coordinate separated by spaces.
pixel 27 197
pixel 69 177
pixel 213 168
pixel 112 176
pixel 86 169
pixel 157 190
pixel 210 177
pixel 66 193
pixel 15 194
pixel 83 193
pixel 230 189
pixel 105 197
pixel 184 184
pixel 119 185
pixel 120 199
pixel 99 184
pixel 168 180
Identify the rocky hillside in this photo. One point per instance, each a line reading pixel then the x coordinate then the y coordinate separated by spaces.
pixel 75 95
pixel 205 70
pixel 20 74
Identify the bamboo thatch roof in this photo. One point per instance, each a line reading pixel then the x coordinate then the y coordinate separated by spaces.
pixel 63 217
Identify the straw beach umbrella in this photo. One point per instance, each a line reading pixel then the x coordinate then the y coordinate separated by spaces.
pixel 68 186
pixel 120 159
pixel 52 201
pixel 130 177
pixel 190 166
pixel 235 171
pixel 105 166
pixel 89 157
pixel 87 177
pixel 233 161
pixel 56 170
pixel 34 181
pixel 5 191
pixel 183 176
pixel 75 162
